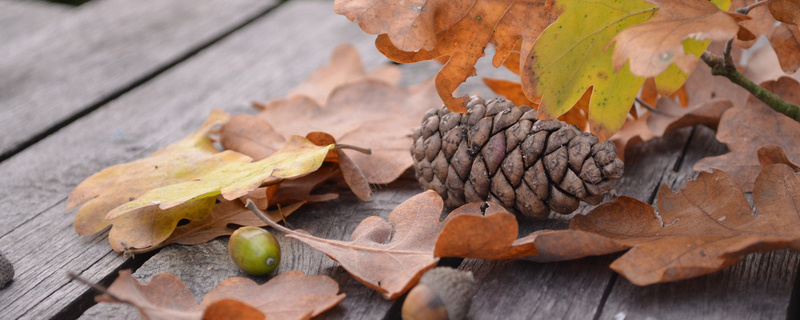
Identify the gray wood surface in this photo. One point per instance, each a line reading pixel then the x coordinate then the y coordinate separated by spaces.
pixel 758 288
pixel 97 51
pixel 255 63
pixel 19 18
pixel 65 66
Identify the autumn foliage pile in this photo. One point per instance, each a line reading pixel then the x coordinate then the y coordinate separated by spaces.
pixel 583 62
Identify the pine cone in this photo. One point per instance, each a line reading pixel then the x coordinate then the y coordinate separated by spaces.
pixel 501 152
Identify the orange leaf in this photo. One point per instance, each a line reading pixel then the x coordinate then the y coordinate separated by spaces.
pixel 290 295
pixel 786 11
pixel 351 117
pixel 387 256
pixel 504 23
pixel 745 130
pixel 652 46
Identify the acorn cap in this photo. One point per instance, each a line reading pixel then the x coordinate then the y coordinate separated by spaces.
pixel 442 293
pixel 6 271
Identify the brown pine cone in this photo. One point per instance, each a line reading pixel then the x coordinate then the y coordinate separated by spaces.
pixel 501 152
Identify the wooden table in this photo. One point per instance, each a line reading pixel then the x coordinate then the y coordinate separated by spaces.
pixel 82 88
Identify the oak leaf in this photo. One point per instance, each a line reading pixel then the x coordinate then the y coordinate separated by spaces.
pixel 744 130
pixel 350 115
pixel 783 37
pixel 786 11
pixel 707 226
pixel 570 56
pixel 388 256
pixel 179 162
pixel 297 158
pixel 290 295
pixel 460 34
pixel 654 45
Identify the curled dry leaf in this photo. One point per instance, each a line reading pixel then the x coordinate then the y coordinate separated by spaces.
pixel 704 228
pixel 745 130
pixel 290 295
pixel 654 45
pixel 387 256
pixel 350 116
pixel 181 161
pixel 297 158
pixel 462 33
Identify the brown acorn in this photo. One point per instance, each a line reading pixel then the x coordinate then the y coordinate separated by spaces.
pixel 442 293
pixel 504 153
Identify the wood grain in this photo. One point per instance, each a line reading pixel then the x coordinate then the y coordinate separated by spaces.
pixel 255 63
pixel 758 288
pixel 62 67
pixel 19 18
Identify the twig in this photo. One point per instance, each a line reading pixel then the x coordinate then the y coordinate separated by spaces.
pixel 747 9
pixel 723 66
pixel 356 148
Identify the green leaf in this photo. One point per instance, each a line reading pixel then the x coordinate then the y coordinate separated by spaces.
pixel 571 55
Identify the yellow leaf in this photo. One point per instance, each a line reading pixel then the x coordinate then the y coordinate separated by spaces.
pixel 570 56
pixel 181 161
pixel 297 158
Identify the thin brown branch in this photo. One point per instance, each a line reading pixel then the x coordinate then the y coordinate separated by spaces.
pixel 723 66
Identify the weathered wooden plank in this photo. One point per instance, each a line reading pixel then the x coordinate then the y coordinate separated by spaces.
pixel 758 288
pixel 63 67
pixel 571 289
pixel 255 63
pixel 18 18
pixel 332 220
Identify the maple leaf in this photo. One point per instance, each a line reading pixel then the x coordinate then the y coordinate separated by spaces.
pixel 745 130
pixel 290 295
pixel 350 116
pixel 654 45
pixel 387 256
pixel 707 226
pixel 232 180
pixel 181 161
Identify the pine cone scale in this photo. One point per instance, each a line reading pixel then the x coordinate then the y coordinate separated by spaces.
pixel 501 152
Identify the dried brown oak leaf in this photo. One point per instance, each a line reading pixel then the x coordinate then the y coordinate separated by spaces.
pixel 783 37
pixel 345 67
pixel 786 11
pixel 290 295
pixel 391 255
pixel 108 189
pixel 704 228
pixel 652 46
pixel 368 113
pixel 745 130
pixel 424 30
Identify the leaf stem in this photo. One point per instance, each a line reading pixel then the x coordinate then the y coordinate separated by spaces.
pixel 96 287
pixel 352 147
pixel 723 66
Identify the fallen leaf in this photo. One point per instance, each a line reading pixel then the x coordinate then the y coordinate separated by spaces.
pixel 290 295
pixel 786 11
pixel 224 219
pixel 707 226
pixel 745 130
pixel 654 45
pixel 345 67
pixel 387 256
pixel 181 161
pixel 411 25
pixel 669 116
pixel 570 56
pixel 504 23
pixel 232 180
pixel 785 39
pixel 513 91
